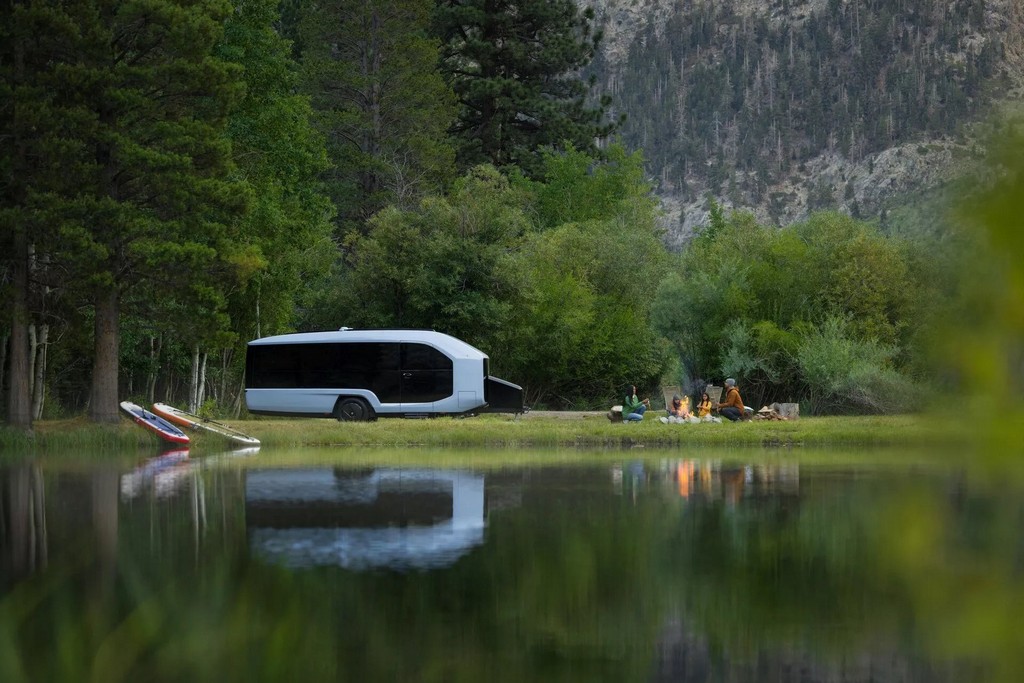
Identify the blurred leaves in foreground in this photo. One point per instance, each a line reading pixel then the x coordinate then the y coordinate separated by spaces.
pixel 983 339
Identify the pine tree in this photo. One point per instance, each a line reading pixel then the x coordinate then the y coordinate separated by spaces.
pixel 515 66
pixel 131 169
pixel 371 71
pixel 33 131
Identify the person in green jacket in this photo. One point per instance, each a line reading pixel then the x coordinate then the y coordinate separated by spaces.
pixel 633 408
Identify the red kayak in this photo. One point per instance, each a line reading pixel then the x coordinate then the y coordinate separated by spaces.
pixel 188 420
pixel 154 423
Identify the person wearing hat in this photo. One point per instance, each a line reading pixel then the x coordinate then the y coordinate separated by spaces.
pixel 732 407
pixel 678 410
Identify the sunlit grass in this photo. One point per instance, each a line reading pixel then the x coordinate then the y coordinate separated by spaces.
pixel 72 434
pixel 585 430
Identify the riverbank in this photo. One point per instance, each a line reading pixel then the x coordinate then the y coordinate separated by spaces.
pixel 533 430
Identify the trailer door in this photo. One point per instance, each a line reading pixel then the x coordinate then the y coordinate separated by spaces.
pixel 426 376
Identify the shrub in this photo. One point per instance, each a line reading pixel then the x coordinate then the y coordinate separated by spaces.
pixel 845 374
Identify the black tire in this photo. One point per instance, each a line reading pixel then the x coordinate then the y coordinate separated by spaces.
pixel 353 410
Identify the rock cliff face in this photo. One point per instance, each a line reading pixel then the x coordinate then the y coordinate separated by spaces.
pixel 783 107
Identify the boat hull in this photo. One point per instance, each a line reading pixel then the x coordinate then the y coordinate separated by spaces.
pixel 188 420
pixel 153 423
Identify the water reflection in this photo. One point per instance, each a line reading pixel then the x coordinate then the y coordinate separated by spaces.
pixel 707 480
pixel 657 569
pixel 395 519
pixel 172 470
pixel 162 474
pixel 23 541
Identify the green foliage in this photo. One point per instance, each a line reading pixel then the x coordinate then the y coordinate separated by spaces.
pixel 746 300
pixel 716 218
pixel 370 70
pixel 861 274
pixel 445 265
pixel 556 292
pixel 979 345
pixel 585 331
pixel 130 170
pixel 284 237
pixel 576 187
pixel 843 373
pixel 515 67
pixel 593 268
pixel 175 172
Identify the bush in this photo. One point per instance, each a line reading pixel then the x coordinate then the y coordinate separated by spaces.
pixel 844 374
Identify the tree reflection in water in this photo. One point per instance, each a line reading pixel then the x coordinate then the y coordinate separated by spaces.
pixel 653 569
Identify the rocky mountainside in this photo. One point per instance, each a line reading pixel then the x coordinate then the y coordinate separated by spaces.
pixel 788 106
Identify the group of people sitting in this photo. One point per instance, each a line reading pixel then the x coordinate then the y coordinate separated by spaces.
pixel 679 408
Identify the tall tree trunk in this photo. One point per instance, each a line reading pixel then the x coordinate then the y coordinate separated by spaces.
pixel 236 408
pixel 155 344
pixel 3 356
pixel 193 381
pixel 201 389
pixel 39 361
pixel 19 402
pixel 103 401
pixel 225 364
pixel 33 346
pixel 259 282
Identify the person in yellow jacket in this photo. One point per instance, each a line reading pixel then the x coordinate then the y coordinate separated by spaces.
pixel 732 407
pixel 705 406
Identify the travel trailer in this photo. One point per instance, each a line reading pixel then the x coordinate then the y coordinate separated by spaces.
pixel 355 375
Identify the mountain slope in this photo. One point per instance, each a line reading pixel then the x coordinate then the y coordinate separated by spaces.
pixel 786 106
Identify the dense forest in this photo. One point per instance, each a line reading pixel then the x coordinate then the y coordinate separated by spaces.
pixel 179 177
pixel 734 101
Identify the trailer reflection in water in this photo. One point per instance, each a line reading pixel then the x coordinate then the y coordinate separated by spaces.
pixel 369 519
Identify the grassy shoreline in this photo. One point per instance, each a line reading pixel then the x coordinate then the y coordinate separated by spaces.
pixel 499 431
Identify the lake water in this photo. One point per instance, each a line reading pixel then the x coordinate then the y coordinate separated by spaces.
pixel 625 566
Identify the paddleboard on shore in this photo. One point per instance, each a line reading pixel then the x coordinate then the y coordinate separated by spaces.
pixel 190 421
pixel 154 423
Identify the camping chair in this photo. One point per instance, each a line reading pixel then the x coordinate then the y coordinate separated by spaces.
pixel 714 393
pixel 670 391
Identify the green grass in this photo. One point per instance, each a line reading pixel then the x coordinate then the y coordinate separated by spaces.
pixel 494 431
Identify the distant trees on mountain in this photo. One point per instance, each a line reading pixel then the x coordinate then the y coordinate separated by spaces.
pixel 731 102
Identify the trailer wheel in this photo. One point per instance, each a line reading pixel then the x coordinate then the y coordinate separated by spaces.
pixel 353 410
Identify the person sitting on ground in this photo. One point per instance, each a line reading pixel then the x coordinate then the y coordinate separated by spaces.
pixel 633 408
pixel 732 407
pixel 705 406
pixel 678 409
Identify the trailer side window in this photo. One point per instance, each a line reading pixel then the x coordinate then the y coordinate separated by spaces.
pixel 423 357
pixel 273 367
pixel 320 366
